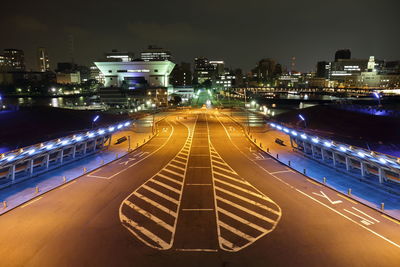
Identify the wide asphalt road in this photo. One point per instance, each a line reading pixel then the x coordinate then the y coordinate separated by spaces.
pixel 198 194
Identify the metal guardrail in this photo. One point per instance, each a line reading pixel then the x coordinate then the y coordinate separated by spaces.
pixel 383 166
pixel 25 163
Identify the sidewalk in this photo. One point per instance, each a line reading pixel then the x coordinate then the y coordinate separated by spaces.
pixel 138 135
pixel 363 192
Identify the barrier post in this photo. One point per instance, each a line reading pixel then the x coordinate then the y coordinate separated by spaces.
pixel 324 180
pixel 289 164
pixel 277 156
pixel 304 171
pixel 4 204
pixel 36 189
pixel 382 206
pixel 84 170
pixel 349 192
pixel 64 179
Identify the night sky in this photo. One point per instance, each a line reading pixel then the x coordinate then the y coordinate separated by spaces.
pixel 239 32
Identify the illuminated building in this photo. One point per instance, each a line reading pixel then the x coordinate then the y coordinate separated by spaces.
pixel 154 53
pixel 135 73
pixel 43 60
pixel 14 59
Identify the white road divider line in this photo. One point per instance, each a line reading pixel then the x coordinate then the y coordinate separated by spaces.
pixel 173 165
pixel 155 204
pixel 362 218
pixel 149 215
pixel 285 171
pixel 165 186
pixel 255 214
pixel 236 231
pixel 365 214
pixel 169 179
pixel 242 220
pixel 158 193
pixel 248 200
pixel 231 178
pixel 226 170
pixel 145 232
pixel 173 172
pixel 243 190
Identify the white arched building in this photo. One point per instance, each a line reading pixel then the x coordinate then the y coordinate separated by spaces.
pixel 136 74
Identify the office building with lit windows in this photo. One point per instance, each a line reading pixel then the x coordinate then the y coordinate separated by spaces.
pixel 43 60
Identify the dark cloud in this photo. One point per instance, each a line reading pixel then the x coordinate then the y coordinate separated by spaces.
pixel 240 32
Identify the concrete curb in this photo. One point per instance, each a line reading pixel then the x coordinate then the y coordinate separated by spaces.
pixel 325 185
pixel 6 210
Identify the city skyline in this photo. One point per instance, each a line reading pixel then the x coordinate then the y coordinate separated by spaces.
pixel 309 35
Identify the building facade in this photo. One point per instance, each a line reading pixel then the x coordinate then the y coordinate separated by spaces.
pixel 14 59
pixel 43 60
pixel 136 74
pixel 154 53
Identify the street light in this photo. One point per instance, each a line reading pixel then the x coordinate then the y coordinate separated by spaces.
pixel 303 119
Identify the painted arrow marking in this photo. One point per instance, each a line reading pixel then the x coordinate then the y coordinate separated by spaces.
pixel 325 196
pixel 127 161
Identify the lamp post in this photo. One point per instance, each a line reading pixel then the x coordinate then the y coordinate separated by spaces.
pixel 303 119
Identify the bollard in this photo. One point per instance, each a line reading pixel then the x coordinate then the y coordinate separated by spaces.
pixel 102 162
pixel 4 204
pixel 304 171
pixel 324 180
pixel 277 156
pixel 116 155
pixel 144 140
pixel 289 163
pixel 149 136
pixel 349 192
pixel 382 206
pixel 268 149
pixel 260 144
pixel 64 179
pixel 37 189
pixel 255 140
pixel 137 144
pixel 84 170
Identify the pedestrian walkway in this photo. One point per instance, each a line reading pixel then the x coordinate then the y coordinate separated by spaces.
pixel 368 194
pixel 133 138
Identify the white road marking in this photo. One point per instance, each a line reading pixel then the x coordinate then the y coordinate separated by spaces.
pixel 163 245
pixel 230 178
pixel 169 179
pixel 243 221
pixel 155 204
pixel 198 209
pixel 348 218
pixel 236 231
pixel 285 171
pixel 248 200
pixel 30 202
pixel 148 155
pixel 233 172
pixel 362 218
pixel 173 172
pixel 177 167
pixel 243 190
pixel 196 249
pixel 165 186
pixel 198 184
pixel 365 214
pixel 144 231
pixel 64 186
pixel 97 176
pixel 325 196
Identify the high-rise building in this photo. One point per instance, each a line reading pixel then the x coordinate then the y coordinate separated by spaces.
pixel 2 63
pixel 264 71
pixel 218 66
pixel 203 70
pixel 154 53
pixel 181 75
pixel 43 60
pixel 322 69
pixel 14 59
pixel 342 54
